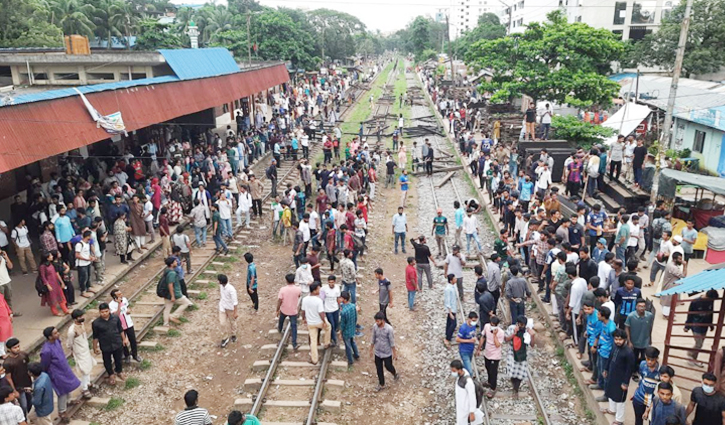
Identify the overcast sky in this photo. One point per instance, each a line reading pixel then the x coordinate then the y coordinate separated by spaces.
pixel 384 15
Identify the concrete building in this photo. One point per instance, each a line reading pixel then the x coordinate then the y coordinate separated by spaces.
pixel 632 19
pixel 464 14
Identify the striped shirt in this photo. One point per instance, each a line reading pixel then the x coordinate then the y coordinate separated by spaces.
pixel 193 416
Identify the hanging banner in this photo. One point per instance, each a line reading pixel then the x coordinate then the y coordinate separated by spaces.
pixel 112 123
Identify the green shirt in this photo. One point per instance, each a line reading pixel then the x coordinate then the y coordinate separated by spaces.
pixel 622 235
pixel 501 248
pixel 231 153
pixel 172 277
pixel 215 221
pixel 562 289
pixel 440 225
pixel 640 328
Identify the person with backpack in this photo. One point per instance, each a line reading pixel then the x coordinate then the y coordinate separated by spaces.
pixel 169 288
pixel 50 287
pixel 469 395
pixel 520 336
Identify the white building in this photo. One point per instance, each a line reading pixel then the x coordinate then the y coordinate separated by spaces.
pixel 464 14
pixel 632 19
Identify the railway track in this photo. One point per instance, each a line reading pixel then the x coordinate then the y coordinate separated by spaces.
pixel 491 414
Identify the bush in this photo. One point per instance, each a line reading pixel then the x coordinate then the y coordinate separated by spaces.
pixel 570 128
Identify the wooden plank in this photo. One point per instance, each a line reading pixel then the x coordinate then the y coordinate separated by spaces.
pixel 445 179
pixel 439 170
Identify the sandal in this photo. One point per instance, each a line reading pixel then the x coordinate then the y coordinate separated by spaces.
pixel 606 411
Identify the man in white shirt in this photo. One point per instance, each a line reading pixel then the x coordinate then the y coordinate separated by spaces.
pixel 470 227
pixel 20 239
pixel 6 286
pixel 313 316
pixel 314 222
pixel 634 236
pixel 543 179
pixel 305 229
pixel 604 268
pixel 227 310
pixel 4 235
pixel 578 289
pixel 119 306
pixel 148 218
pixel 303 276
pixel 331 295
pixel 244 204
pixel 84 259
pixel 225 214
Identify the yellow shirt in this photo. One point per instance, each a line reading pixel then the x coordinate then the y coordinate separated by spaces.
pixel 287 217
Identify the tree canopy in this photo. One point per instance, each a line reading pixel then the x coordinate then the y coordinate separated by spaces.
pixel 488 28
pixel 555 60
pixel 704 51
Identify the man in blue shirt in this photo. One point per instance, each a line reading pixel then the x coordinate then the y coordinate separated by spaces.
pixel 64 232
pixel 625 301
pixel 603 345
pixel 466 340
pixel 252 280
pixel 450 303
pixel 404 187
pixel 649 372
pixel 400 227
pixel 595 225
pixel 42 393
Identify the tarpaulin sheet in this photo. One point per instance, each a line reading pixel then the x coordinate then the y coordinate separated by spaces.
pixel 669 179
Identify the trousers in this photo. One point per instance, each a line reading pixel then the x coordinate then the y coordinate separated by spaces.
pixel 112 361
pixel 492 371
pixel 451 324
pixel 314 337
pixel 227 322
pixel 292 323
pixel 183 303
pixel 388 363
pixel 421 269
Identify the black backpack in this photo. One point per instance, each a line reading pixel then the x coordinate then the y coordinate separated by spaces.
pixel 480 391
pixel 40 287
pixel 162 288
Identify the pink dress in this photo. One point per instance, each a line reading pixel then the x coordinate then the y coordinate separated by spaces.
pixel 49 277
pixel 6 323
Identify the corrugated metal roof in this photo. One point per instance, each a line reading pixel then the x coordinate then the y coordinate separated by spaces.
pixel 33 131
pixel 188 64
pixel 95 88
pixel 712 278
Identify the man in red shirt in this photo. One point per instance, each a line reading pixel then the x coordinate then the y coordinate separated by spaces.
pixel 411 282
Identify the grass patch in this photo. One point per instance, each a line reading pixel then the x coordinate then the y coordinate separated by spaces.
pixel 158 347
pixel 114 403
pixel 71 362
pixel 145 364
pixel 173 333
pixel 212 284
pixel 183 319
pixel 131 383
pixel 193 307
pixel 93 304
pixel 203 295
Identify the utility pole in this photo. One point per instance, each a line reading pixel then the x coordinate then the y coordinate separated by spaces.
pixel 666 138
pixel 450 52
pixel 249 38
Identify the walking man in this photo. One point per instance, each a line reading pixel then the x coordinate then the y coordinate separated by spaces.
pixel 227 310
pixel 440 230
pixel 119 306
pixel 252 280
pixel 382 348
pixel 385 296
pixel 467 340
pixel 423 259
pixel 450 303
pixel 454 267
pixel 400 227
pixel 517 291
pixel 77 344
pixel 348 328
pixel 331 295
pixel 53 360
pixel 313 315
pixel 467 409
pixel 109 336
pixel 172 293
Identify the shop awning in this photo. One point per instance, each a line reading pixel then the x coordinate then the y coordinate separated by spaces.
pixel 669 179
pixel 712 278
pixel 627 118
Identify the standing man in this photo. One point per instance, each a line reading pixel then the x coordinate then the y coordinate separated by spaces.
pixel 9 412
pixel 108 334
pixel 252 280
pixel 689 239
pixel 494 281
pixel 385 296
pixel 193 414
pixel 454 267
pixel 287 306
pixel 271 174
pixel 517 291
pixel 618 375
pixel 699 314
pixel 21 240
pixel 460 214
pixel 348 326
pixel 16 373
pixel 467 341
pixel 331 295
pixel 42 395
pixel 6 285
pixel 400 227
pixel 199 222
pixel 404 179
pixel 313 315
pixel 440 230
pixel 708 405
pixel 216 231
pixel 411 282
pixel 84 259
pixel 255 189
pixel 119 306
pixel 182 241
pixel 639 326
pixel 227 310
pixel 56 366
pixel 450 304
pixel 423 260
pixel 382 348
pixel 467 409
pixel 349 273
pixel 470 225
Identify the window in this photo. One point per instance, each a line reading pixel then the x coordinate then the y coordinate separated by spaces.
pixel 101 76
pixel 637 33
pixel 620 12
pixel 666 10
pixel 66 76
pixel 699 142
pixel 643 12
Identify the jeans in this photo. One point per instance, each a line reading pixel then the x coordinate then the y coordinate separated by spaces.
pixel 219 243
pixel 334 320
pixel 292 323
pixel 400 236
pixel 639 408
pixel 545 131
pixel 591 186
pixel 619 252
pixel 638 179
pixel 467 358
pixel 351 288
pixel 411 299
pixel 247 217
pixel 602 366
pixel 517 309
pixel 351 350
pixel 656 268
pixel 469 238
pixel 450 326
pixel 226 224
pixel 200 233
pixel 84 278
pixel 424 268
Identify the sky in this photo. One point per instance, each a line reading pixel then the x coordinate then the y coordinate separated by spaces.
pixel 385 15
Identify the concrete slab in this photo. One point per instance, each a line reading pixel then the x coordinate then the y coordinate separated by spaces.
pixel 152 303
pixel 243 402
pixel 162 330
pixel 252 384
pixel 98 402
pixel 299 364
pixel 260 365
pixel 148 344
pixel 286 403
pixel 331 406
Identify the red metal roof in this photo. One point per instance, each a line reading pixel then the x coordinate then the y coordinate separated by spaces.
pixel 33 131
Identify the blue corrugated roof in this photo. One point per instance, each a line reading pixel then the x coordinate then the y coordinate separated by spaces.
pixel 189 64
pixel 701 282
pixel 60 93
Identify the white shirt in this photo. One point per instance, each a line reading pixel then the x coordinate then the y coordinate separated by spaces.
pixel 603 273
pixel 314 220
pixel 245 202
pixel 84 249
pixel 470 224
pixel 544 179
pixel 3 235
pixel 331 295
pixel 303 277
pixel 227 297
pixel 572 257
pixel 466 402
pixel 633 231
pixel 313 308
pixel 4 275
pixel 578 288
pixel 148 210
pixel 20 236
pixel 225 209
pixel 305 229
pixel 123 314
pixel 666 248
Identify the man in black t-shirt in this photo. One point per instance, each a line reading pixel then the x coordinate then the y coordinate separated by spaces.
pixel 640 153
pixel 423 258
pixel 709 405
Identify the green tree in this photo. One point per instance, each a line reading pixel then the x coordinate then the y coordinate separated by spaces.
pixel 73 17
pixel 234 40
pixel 219 19
pixel 335 32
pixel 279 38
pixel 489 28
pixel 153 35
pixel 704 51
pixel 26 23
pixel 573 129
pixel 108 21
pixel 557 61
